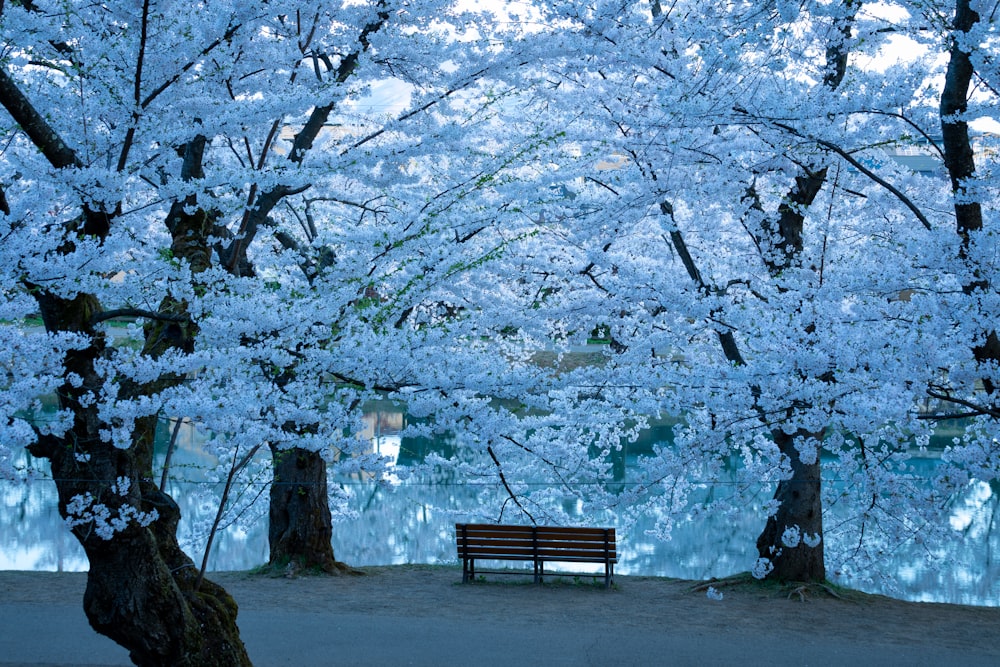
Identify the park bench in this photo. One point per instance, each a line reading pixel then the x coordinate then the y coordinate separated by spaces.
pixel 538 544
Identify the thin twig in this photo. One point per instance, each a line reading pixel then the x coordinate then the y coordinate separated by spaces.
pixel 234 470
pixel 510 491
pixel 170 453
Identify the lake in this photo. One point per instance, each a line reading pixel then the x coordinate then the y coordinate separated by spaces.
pixel 380 523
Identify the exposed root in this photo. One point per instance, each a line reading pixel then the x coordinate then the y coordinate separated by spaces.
pixel 734 580
pixel 804 590
pixel 293 569
pixel 829 591
pixel 800 591
pixel 344 568
pixel 790 589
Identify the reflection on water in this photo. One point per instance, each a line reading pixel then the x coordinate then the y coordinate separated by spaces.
pixel 413 522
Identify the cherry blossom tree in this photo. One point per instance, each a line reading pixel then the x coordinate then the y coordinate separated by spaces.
pixel 159 158
pixel 703 186
pixel 762 268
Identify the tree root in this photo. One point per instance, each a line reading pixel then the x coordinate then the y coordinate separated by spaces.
pixel 800 591
pixel 344 568
pixel 292 570
pixel 734 580
pixel 791 589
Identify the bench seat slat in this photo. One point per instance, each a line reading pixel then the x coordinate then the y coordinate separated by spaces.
pixel 486 552
pixel 523 534
pixel 571 533
pixel 580 557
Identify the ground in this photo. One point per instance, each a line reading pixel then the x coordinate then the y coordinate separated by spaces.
pixel 424 615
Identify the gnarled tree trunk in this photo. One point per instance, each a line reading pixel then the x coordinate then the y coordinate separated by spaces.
pixel 141 593
pixel 140 587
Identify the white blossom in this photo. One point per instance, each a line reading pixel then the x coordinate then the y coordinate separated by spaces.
pixel 761 568
pixel 82 510
pixel 459 249
pixel 791 537
pixel 812 540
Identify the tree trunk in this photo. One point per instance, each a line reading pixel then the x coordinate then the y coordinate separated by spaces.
pixel 142 590
pixel 140 593
pixel 140 586
pixel 961 164
pixel 798 521
pixel 301 528
pixel 958 155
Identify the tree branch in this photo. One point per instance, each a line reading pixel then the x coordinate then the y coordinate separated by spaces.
pixel 105 315
pixel 930 140
pixel 413 112
pixel 726 338
pixel 137 87
pixel 875 177
pixel 829 145
pixel 979 409
pixel 56 151
pixel 204 52
pixel 42 135
pixel 503 480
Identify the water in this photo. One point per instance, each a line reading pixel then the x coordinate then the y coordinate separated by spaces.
pixel 413 522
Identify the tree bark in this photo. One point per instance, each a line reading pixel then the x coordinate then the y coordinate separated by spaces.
pixel 301 531
pixel 141 593
pixel 145 593
pixel 799 515
pixel 800 505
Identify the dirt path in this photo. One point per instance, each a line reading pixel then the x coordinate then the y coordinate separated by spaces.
pixel 423 615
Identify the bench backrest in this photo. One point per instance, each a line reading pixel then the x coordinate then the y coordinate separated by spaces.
pixel 550 543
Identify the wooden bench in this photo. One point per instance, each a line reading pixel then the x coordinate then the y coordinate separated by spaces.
pixel 539 544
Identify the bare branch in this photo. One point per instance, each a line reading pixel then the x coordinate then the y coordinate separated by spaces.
pixel 503 480
pixel 979 409
pixel 42 135
pixel 875 177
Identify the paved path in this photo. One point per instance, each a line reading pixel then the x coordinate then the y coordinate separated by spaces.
pixel 426 619
pixel 59 635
